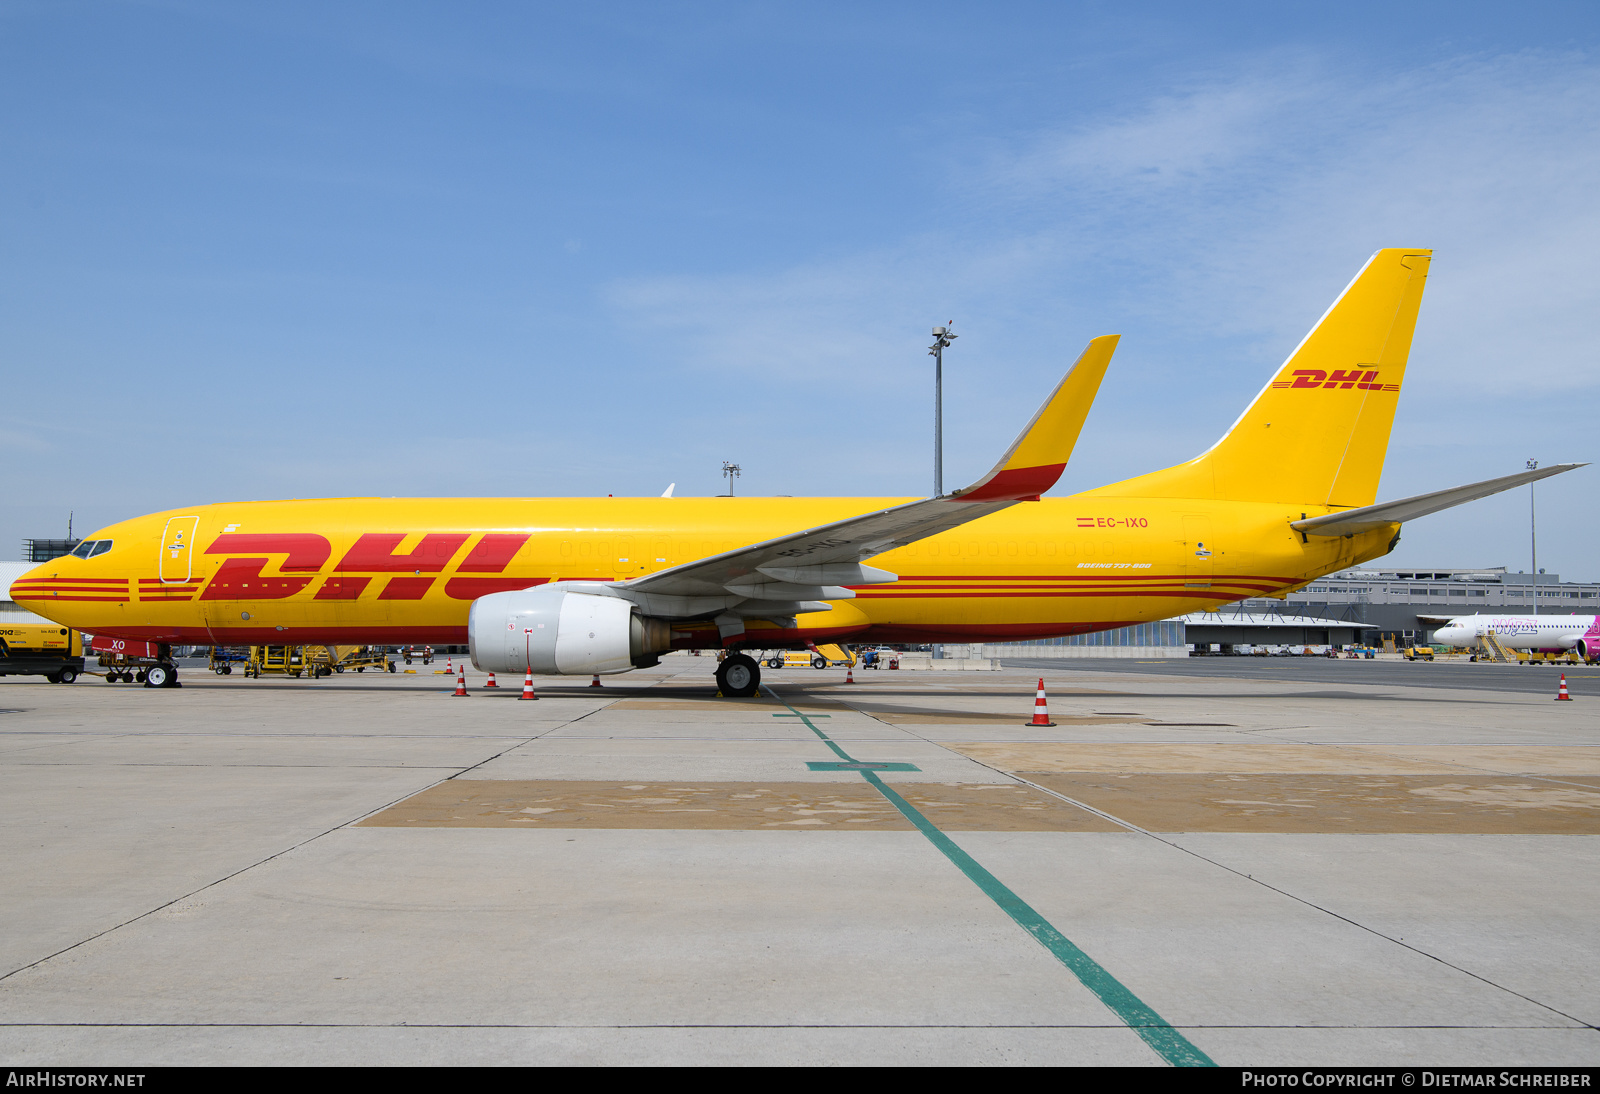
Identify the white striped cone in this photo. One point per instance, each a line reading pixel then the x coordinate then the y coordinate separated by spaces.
pixel 1041 709
pixel 489 683
pixel 595 683
pixel 850 675
pixel 461 684
pixel 450 665
pixel 527 687
pixel 1561 695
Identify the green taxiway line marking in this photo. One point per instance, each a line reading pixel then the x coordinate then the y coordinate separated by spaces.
pixel 1156 1032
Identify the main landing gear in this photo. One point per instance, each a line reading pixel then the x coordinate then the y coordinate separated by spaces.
pixel 161 675
pixel 738 677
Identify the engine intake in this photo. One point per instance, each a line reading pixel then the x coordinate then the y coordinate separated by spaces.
pixel 554 630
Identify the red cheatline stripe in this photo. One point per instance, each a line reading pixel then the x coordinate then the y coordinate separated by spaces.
pixel 82 582
pixel 1202 594
pixel 48 590
pixel 101 599
pixel 901 586
pixel 1082 577
pixel 61 583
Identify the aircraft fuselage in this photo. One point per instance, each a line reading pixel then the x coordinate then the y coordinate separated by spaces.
pixel 396 571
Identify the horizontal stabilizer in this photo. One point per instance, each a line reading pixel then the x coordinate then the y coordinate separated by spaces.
pixel 1370 517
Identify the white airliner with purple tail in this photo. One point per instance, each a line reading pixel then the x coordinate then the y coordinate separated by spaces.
pixel 1555 633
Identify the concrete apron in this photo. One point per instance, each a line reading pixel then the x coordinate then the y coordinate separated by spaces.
pixel 895 871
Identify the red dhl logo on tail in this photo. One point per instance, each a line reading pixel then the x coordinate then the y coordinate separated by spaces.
pixel 1361 380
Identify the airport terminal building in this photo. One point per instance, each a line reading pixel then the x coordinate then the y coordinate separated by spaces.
pixel 1406 602
pixel 1358 605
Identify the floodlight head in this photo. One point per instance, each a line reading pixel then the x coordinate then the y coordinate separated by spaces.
pixel 938 332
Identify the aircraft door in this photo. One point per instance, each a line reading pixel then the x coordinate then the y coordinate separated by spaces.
pixel 626 560
pixel 177 550
pixel 1197 551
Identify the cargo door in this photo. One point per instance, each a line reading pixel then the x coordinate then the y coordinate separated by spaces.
pixel 1197 552
pixel 177 550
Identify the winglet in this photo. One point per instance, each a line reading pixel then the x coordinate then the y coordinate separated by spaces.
pixel 1037 457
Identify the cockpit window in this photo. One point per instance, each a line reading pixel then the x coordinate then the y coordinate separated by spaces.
pixel 101 546
pixel 91 547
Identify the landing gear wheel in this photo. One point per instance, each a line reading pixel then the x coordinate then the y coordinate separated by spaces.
pixel 158 676
pixel 739 677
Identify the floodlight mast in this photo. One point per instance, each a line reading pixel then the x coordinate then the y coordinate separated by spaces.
pixel 1533 539
pixel 730 471
pixel 941 341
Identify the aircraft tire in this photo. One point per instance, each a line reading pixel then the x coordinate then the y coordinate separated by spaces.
pixel 738 677
pixel 157 676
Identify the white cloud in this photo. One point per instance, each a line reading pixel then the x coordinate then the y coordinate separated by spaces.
pixel 1239 190
pixel 1215 224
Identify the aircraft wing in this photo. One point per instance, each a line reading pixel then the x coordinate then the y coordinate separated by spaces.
pixel 1369 517
pixel 799 572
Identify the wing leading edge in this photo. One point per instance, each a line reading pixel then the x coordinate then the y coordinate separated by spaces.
pixel 780 578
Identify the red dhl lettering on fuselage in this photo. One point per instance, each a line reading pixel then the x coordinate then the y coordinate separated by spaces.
pixel 1356 378
pixel 240 576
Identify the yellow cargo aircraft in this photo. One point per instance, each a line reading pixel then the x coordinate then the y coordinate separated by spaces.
pixel 601 585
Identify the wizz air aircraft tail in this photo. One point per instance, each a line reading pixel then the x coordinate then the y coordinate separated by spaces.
pixel 586 585
pixel 1526 632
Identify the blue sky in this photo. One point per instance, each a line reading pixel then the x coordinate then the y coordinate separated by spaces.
pixel 296 250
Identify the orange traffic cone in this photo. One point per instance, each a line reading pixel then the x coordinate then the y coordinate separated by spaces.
pixel 595 683
pixel 489 683
pixel 461 683
pixel 1041 709
pixel 527 687
pixel 450 665
pixel 1561 695
pixel 850 675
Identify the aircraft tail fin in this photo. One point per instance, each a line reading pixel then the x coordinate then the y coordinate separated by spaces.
pixel 1318 432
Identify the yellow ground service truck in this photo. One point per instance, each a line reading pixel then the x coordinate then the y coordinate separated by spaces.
pixel 41 649
pixel 818 657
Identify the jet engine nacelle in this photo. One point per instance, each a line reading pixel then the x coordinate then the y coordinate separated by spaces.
pixel 555 630
pixel 1588 647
